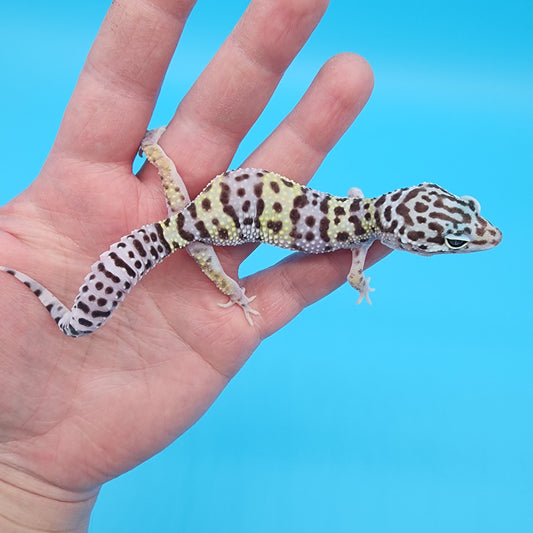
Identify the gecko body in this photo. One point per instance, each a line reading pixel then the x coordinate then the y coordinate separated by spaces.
pixel 254 205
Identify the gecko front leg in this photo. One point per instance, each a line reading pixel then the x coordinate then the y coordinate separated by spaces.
pixel 177 198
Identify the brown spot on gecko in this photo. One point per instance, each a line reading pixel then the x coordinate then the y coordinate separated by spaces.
pixel 358 227
pixel 434 226
pixel 324 204
pixel 162 239
pixel 83 307
pixel 139 247
pixel 405 212
pixel 120 263
pixel 378 203
pixel 323 229
pixel 294 215
pixel 274 185
pixel 300 201
pixel 230 211
pixel 275 225
pixel 224 193
pixel 415 235
pixel 202 230
pixel 260 207
pixel 413 193
pixel 180 222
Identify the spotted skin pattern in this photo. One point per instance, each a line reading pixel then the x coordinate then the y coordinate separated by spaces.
pixel 253 205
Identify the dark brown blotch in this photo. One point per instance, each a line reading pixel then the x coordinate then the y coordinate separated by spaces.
pixel 202 230
pixel 294 215
pixel 415 235
pixel 358 227
pixel 300 201
pixel 324 204
pixel 258 189
pixel 274 225
pixel 230 211
pixel 310 221
pixel 405 212
pixel 323 229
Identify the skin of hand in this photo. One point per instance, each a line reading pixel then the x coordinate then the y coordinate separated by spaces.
pixel 75 413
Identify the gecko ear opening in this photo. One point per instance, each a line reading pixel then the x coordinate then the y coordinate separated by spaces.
pixel 474 204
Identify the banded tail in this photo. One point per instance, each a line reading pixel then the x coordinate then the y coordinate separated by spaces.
pixel 113 276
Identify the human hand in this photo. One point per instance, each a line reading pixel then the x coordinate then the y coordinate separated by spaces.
pixel 78 412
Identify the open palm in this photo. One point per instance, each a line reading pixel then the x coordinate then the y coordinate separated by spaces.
pixel 75 413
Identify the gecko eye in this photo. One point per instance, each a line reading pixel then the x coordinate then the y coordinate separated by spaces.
pixel 455 244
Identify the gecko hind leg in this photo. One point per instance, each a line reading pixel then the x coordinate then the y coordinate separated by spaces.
pixel 207 259
pixel 176 194
pixel 177 197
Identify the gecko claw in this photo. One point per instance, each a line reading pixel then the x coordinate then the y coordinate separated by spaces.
pixel 364 292
pixel 243 303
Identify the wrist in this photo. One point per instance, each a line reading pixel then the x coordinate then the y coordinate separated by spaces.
pixel 28 505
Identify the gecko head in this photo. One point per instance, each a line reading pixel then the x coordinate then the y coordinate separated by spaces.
pixel 429 220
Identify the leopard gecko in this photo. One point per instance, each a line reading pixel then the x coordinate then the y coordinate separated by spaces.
pixel 255 205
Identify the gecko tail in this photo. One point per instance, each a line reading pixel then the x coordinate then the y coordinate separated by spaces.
pixel 110 279
pixel 58 311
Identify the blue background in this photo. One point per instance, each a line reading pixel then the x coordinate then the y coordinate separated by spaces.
pixel 410 415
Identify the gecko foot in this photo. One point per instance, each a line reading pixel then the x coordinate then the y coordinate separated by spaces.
pixel 364 291
pixel 244 303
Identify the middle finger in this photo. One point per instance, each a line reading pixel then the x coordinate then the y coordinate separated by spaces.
pixel 234 88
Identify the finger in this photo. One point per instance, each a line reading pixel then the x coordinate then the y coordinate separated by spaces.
pixel 235 87
pixel 333 101
pixel 119 83
pixel 287 288
pixel 301 142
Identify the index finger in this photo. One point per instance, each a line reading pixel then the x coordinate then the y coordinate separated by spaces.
pixel 119 83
